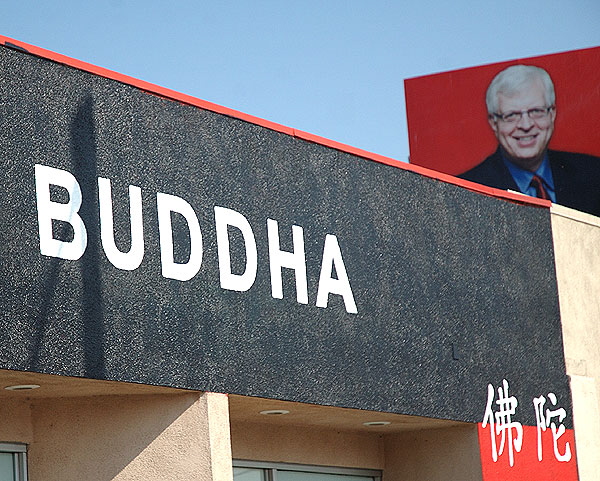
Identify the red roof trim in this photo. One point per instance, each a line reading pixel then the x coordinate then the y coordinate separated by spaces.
pixel 188 99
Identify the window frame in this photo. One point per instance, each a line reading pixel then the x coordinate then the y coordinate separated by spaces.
pixel 271 468
pixel 19 452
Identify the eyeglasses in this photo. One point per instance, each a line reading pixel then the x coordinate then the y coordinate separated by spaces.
pixel 537 113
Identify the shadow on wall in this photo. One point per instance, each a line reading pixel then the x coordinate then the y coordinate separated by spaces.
pixel 88 282
pixel 103 438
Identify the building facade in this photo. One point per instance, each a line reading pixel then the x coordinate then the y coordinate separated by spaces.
pixel 192 293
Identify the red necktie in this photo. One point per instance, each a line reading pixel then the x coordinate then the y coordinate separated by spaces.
pixel 540 192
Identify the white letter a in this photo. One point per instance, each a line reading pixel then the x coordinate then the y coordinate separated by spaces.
pixel 332 256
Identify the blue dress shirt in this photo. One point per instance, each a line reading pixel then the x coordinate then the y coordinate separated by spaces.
pixel 523 177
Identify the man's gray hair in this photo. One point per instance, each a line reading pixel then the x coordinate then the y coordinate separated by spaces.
pixel 512 79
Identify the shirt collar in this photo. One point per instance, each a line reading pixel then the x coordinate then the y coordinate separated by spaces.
pixel 523 177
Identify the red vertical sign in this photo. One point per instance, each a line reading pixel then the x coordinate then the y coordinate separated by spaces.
pixel 526 464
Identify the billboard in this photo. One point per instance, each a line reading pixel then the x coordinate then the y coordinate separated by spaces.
pixel 452 131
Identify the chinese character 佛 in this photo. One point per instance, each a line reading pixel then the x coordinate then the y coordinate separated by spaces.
pixel 501 423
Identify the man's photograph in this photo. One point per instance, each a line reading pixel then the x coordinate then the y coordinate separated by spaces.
pixel 521 106
pixel 515 148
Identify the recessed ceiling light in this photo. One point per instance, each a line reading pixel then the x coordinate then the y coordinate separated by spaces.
pixel 274 412
pixel 22 387
pixel 377 423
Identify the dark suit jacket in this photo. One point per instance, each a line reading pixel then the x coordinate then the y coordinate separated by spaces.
pixel 576 178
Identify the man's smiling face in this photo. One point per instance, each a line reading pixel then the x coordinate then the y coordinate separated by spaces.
pixel 525 140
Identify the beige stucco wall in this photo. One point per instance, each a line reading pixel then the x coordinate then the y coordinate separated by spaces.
pixel 130 438
pixel 450 454
pixel 577 256
pixel 15 421
pixel 306 445
pixel 123 438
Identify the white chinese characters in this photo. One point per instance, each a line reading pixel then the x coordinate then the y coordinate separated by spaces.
pixel 499 415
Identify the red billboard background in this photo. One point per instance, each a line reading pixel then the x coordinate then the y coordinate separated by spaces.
pixel 447 117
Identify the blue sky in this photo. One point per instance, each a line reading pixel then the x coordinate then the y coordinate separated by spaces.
pixel 332 68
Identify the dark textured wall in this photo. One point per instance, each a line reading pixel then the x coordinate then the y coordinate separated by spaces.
pixel 454 290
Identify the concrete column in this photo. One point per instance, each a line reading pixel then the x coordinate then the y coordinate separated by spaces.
pixel 577 255
pixel 217 421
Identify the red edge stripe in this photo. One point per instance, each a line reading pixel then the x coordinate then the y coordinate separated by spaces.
pixel 203 104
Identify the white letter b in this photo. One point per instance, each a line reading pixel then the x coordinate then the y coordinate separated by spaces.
pixel 66 212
